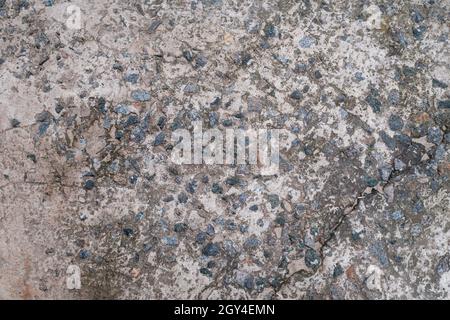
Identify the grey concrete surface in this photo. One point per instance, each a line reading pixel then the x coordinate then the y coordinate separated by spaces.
pixel 358 89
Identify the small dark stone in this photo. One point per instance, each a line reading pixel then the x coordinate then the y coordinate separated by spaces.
pixel 447 137
pixel 154 26
pixel 162 122
pixel 243 228
pixel 119 135
pixel 312 259
pixel 191 88
pixel 168 198
pixel 133 179
pixel 206 272
pixel 444 104
pixel 211 250
pixel 180 227
pixel 210 230
pixel 213 119
pixel 385 172
pixel 252 243
pixel 337 271
pixel 317 74
pixel 232 181
pixel 270 30
pixel 409 72
pixel 32 157
pixel 418 32
pixel 59 108
pixel 200 61
pixel 377 250
pixel 245 59
pixel 182 197
pixel 296 95
pixel 227 122
pixel 138 135
pixel 44 116
pixel 15 123
pixel 84 254
pixel 132 78
pixel 394 97
pixel 307 42
pixel 118 67
pixel 395 122
pixel 128 232
pixel 274 200
pixel 170 241
pixel 132 120
pixel 191 186
pixel 254 208
pixel 439 84
pixel 389 141
pixel 373 102
pixel 201 237
pixel 371 182
pixel 280 220
pixel 101 105
pixel 205 179
pixel 249 282
pixel 435 135
pixel 188 55
pixel 140 95
pixel 300 68
pixel 418 207
pixel 216 188
pixel 416 16
pixel 230 225
pixel 159 139
pixel 89 185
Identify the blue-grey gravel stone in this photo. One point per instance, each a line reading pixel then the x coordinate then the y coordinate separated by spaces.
pixel 89 185
pixel 84 254
pixel 312 259
pixel 435 135
pixel 252 243
pixel 170 241
pixel 180 227
pixel 444 104
pixel 395 122
pixel 211 250
pixel 374 102
pixel 397 215
pixel 140 95
pixel 438 84
pixel 307 42
pixel 210 230
pixel 201 237
pixel 159 139
pixel 132 78
pixel 378 251
pixel 182 197
pixel 394 97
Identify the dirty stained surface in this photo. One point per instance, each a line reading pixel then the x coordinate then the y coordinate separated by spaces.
pixel 358 210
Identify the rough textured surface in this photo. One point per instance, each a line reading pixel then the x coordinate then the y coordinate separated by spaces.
pixel 359 209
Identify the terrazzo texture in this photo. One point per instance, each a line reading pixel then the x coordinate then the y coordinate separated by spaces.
pixel 358 89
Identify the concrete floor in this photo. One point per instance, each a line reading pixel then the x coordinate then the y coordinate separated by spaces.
pixel 92 207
